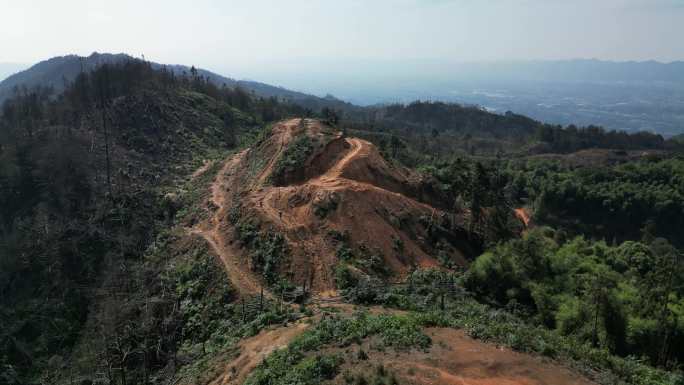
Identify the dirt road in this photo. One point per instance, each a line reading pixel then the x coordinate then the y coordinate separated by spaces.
pixel 456 359
pixel 238 272
pixel 523 215
pixel 255 349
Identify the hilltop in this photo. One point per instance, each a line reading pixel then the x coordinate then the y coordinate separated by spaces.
pixel 333 200
pixel 308 210
pixel 56 73
pixel 88 184
pixel 176 231
pixel 439 128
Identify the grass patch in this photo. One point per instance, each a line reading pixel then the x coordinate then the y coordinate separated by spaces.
pixel 485 323
pixel 211 320
pixel 268 249
pixel 298 363
pixel 292 158
pixel 190 202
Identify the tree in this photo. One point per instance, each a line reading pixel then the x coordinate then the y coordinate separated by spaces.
pixel 597 286
pixel 477 189
pixel 659 283
pixel 330 116
pixel 499 220
pixel 103 87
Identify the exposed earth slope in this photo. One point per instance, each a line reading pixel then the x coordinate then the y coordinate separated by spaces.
pixel 324 193
pixel 456 359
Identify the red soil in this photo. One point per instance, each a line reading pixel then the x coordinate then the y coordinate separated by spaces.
pixel 213 231
pixel 456 359
pixel 372 197
pixel 254 350
pixel 523 215
pixel 374 202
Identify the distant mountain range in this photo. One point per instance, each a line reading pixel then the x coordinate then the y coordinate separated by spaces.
pixel 631 96
pixel 59 71
pixel 580 70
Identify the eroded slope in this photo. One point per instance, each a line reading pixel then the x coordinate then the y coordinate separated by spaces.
pixel 332 199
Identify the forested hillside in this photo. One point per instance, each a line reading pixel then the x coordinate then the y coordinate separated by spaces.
pixel 601 258
pixel 85 178
pixel 157 228
pixel 441 128
pixel 636 199
pixel 58 72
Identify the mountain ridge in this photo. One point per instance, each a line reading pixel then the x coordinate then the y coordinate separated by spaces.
pixel 57 71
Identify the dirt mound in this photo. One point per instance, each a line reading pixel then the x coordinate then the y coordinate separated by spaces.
pixel 453 359
pixel 456 359
pixel 523 215
pixel 253 350
pixel 329 195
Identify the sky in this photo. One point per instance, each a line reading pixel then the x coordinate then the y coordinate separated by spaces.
pixel 272 39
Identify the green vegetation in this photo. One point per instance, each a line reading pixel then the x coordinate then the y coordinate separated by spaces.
pixel 268 250
pixel 87 189
pixel 622 298
pixel 623 202
pixel 479 191
pixel 436 130
pixel 326 205
pixel 205 297
pixel 98 273
pixel 356 260
pixel 300 364
pixel 488 324
pixel 380 376
pixel 175 304
pixel 433 305
pixel 293 158
pixel 211 321
pixel 625 299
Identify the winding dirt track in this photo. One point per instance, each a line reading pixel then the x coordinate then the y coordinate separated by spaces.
pixel 271 204
pixel 457 360
pixel 255 349
pixel 213 230
pixel 352 168
pixel 240 276
pixel 202 169
pixel 358 148
pixel 284 132
pixel 333 179
pixel 453 359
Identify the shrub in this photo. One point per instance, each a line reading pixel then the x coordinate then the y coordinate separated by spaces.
pixel 295 364
pixel 292 158
pixel 344 277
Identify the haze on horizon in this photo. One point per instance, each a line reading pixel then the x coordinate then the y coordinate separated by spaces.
pixel 383 51
pixel 264 39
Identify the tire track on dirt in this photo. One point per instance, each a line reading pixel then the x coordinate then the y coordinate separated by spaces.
pixel 241 278
pixel 255 349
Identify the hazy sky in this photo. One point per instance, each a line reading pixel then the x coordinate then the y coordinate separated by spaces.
pixel 255 37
